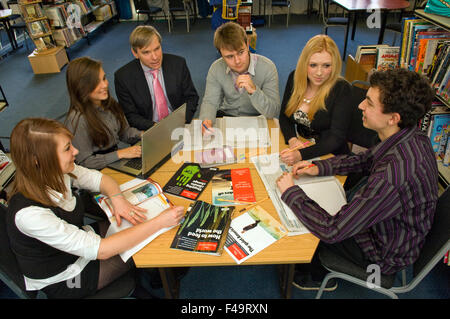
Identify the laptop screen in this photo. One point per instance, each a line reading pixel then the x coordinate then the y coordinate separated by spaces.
pixel 156 141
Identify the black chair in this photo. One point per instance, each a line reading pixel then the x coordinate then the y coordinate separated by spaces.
pixel 18 23
pixel 358 137
pixel 11 276
pixel 437 243
pixel 358 134
pixel 185 6
pixel 280 4
pixel 142 7
pixel 396 27
pixel 3 100
pixel 330 21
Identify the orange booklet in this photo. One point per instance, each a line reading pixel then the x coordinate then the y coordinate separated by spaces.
pixel 232 187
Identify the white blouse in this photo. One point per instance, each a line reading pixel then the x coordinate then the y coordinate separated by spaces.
pixel 41 223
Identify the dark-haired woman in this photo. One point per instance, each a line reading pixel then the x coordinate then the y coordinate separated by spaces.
pixel 95 118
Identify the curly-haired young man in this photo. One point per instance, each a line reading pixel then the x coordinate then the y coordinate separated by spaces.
pixel 386 221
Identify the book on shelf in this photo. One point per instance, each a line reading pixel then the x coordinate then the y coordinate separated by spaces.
pixel 215 157
pixel 443 143
pixel 39 28
pixel 204 229
pixel 436 129
pixel 252 232
pixel 387 58
pixel 269 168
pixel 232 187
pixel 236 132
pixel 103 13
pixel 57 15
pixel 367 50
pixel 44 43
pixel 189 181
pixel 143 193
pixel 7 170
pixel 32 11
pixel 66 36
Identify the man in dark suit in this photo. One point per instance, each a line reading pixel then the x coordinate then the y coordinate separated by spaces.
pixel 155 83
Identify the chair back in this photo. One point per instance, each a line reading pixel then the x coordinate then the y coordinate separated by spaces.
pixel 9 268
pixel 357 133
pixel 141 6
pixel 437 242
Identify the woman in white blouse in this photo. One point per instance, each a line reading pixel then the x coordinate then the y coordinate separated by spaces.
pixel 45 220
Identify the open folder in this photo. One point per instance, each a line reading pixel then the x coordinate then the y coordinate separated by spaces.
pixel 326 191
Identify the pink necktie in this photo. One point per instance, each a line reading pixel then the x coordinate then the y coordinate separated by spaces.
pixel 160 99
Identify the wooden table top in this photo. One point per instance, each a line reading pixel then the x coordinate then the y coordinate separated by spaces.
pixel 288 250
pixel 355 5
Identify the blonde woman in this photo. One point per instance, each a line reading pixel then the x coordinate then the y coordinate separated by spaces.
pixel 315 103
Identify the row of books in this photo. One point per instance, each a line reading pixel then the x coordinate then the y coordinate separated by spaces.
pixel 66 35
pixel 380 57
pixel 425 49
pixel 32 11
pixel 39 28
pixel 436 123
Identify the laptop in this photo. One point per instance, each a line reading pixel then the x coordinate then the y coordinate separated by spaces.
pixel 156 146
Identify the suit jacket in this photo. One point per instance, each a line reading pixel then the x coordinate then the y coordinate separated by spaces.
pixel 134 96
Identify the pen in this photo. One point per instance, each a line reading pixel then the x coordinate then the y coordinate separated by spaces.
pixel 207 128
pixel 233 201
pixel 253 205
pixel 298 147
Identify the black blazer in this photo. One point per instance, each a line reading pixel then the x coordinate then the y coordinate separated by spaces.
pixel 133 93
pixel 330 126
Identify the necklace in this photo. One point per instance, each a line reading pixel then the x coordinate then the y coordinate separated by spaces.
pixel 307 101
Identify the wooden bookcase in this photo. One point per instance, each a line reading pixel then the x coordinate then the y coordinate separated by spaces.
pixel 38 24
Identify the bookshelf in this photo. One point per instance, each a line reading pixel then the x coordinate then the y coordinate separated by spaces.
pixel 444 23
pixel 37 24
pixel 73 20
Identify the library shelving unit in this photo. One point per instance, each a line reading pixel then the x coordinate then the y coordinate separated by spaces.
pixel 48 57
pixel 37 24
pixel 73 20
pixel 443 22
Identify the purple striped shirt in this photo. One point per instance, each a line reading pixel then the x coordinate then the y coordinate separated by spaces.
pixel 390 216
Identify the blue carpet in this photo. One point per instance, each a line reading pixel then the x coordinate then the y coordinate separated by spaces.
pixel 46 95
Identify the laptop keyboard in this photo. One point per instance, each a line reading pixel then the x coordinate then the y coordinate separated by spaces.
pixel 135 163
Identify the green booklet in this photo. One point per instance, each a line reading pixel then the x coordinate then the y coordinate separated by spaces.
pixel 189 181
pixel 204 229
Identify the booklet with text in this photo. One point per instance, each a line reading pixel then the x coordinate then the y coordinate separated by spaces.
pixel 143 193
pixel 251 232
pixel 189 181
pixel 232 187
pixel 204 229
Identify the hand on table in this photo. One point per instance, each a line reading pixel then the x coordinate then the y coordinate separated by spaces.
pixel 123 208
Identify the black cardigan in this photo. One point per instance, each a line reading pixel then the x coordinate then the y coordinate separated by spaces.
pixel 330 125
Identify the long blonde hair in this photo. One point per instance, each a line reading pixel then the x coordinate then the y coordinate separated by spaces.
pixel 316 44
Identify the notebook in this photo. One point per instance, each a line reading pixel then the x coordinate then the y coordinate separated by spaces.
pixel 156 146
